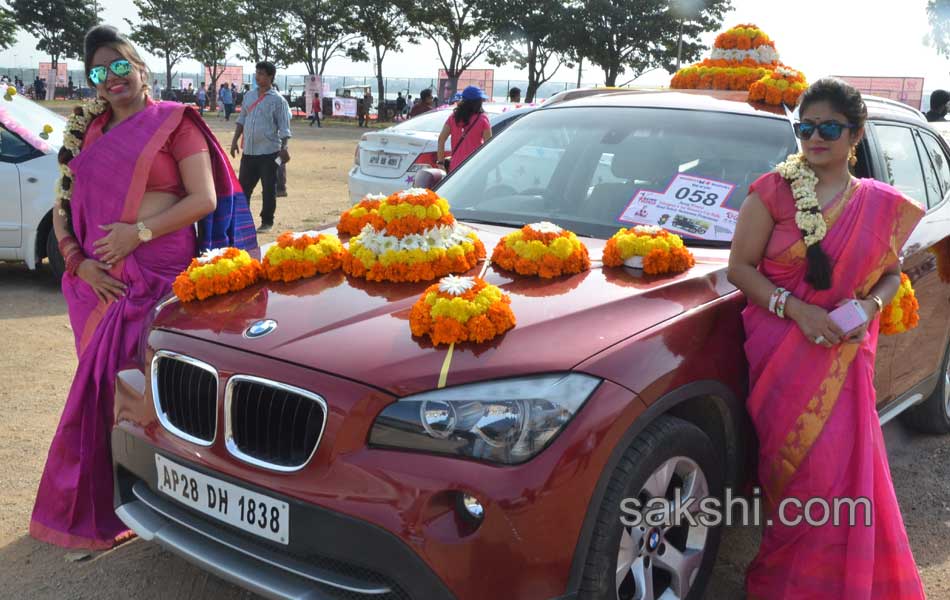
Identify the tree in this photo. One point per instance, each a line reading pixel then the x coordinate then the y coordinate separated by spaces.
pixel 263 38
pixel 640 35
pixel 938 14
pixel 8 28
pixel 59 25
pixel 321 30
pixel 451 24
pixel 532 34
pixel 158 31
pixel 210 32
pixel 384 26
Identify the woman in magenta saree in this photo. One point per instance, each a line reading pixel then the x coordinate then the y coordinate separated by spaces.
pixel 130 231
pixel 812 397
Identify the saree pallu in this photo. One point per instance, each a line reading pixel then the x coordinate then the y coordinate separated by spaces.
pixel 814 412
pixel 74 503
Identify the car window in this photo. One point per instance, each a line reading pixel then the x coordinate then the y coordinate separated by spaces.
pixel 939 163
pixel 595 169
pixel 13 148
pixel 902 168
pixel 433 120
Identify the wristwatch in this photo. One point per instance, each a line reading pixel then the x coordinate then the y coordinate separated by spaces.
pixel 145 234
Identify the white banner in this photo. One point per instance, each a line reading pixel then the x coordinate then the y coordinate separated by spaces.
pixel 344 107
pixel 314 86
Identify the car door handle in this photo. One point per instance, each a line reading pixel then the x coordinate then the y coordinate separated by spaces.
pixel 32 179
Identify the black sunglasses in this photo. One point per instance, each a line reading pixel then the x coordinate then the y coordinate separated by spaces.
pixel 120 67
pixel 828 130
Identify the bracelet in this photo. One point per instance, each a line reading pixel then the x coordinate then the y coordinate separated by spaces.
pixel 877 300
pixel 73 262
pixel 780 305
pixel 773 299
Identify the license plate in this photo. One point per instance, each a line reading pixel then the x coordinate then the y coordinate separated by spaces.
pixel 386 160
pixel 232 504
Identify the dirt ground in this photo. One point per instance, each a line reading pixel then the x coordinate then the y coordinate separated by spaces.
pixel 37 360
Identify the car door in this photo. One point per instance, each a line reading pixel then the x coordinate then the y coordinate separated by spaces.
pixel 12 151
pixel 909 156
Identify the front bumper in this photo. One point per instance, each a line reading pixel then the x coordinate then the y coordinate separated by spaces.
pixel 327 564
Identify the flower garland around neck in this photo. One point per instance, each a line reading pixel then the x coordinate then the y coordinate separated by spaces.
pixel 803 180
pixel 75 131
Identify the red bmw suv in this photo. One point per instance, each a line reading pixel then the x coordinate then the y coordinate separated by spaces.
pixel 293 438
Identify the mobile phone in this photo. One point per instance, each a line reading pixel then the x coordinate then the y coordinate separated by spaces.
pixel 278 161
pixel 849 316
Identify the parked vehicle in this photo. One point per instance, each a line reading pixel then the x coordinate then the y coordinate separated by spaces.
pixel 28 173
pixel 293 437
pixel 386 161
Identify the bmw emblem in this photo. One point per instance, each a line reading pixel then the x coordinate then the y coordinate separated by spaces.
pixel 654 540
pixel 260 328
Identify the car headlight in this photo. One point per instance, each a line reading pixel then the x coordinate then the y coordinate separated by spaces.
pixel 505 421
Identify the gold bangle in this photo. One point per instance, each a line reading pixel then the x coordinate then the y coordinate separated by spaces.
pixel 880 303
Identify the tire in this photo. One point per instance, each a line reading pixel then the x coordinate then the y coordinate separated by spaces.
pixel 933 414
pixel 56 263
pixel 667 450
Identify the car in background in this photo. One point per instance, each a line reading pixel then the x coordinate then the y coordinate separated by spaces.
pixel 297 439
pixel 28 173
pixel 387 161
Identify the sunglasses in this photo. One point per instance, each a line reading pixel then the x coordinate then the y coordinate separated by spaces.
pixel 828 130
pixel 120 67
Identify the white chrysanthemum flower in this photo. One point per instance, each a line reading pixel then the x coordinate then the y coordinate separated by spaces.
pixel 413 242
pixel 455 285
pixel 375 197
pixel 414 191
pixel 647 229
pixel 545 227
pixel 209 255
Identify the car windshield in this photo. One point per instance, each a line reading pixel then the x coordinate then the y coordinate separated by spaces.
pixel 595 169
pixel 27 119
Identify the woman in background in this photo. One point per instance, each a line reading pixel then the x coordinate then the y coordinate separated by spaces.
pixel 468 127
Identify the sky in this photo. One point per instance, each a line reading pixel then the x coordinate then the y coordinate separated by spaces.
pixel 817 37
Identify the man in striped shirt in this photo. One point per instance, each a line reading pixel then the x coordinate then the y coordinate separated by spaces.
pixel 264 123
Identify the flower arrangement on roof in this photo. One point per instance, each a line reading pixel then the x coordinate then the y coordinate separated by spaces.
pixel 461 309
pixel 354 219
pixel 302 254
pixel 541 249
pixel 648 247
pixel 217 272
pixel 744 58
pixel 419 241
pixel 902 314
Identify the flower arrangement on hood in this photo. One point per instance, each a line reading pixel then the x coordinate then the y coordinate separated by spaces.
pixel 902 314
pixel 304 254
pixel 354 219
pixel 648 247
pixel 461 309
pixel 744 58
pixel 217 272
pixel 542 249
pixel 420 241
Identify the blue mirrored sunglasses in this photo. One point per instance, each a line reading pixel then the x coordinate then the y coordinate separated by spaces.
pixel 120 68
pixel 828 130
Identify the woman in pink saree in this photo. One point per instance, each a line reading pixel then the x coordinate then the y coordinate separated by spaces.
pixel 812 398
pixel 147 173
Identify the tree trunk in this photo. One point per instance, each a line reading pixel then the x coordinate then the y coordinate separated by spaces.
pixel 212 90
pixel 168 73
pixel 51 78
pixel 533 75
pixel 381 89
pixel 611 76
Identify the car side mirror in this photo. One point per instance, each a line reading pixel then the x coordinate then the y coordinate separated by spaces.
pixel 428 177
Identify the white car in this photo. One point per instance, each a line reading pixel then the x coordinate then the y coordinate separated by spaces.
pixel 28 172
pixel 386 161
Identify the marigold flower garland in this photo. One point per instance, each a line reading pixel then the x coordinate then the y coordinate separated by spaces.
pixel 420 241
pixel 542 249
pixel 217 272
pixel 652 248
pixel 902 313
pixel 803 180
pixel 744 58
pixel 461 309
pixel 299 255
pixel 365 211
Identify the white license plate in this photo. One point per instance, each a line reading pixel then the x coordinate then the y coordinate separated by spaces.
pixel 386 160
pixel 244 509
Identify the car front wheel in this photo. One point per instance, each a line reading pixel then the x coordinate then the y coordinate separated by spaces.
pixel 933 414
pixel 645 561
pixel 56 263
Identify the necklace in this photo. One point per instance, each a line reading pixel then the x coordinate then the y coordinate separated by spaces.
pixel 75 130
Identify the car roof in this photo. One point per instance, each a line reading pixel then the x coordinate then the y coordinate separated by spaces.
pixel 721 101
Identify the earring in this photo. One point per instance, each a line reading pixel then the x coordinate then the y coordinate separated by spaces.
pixel 853 156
